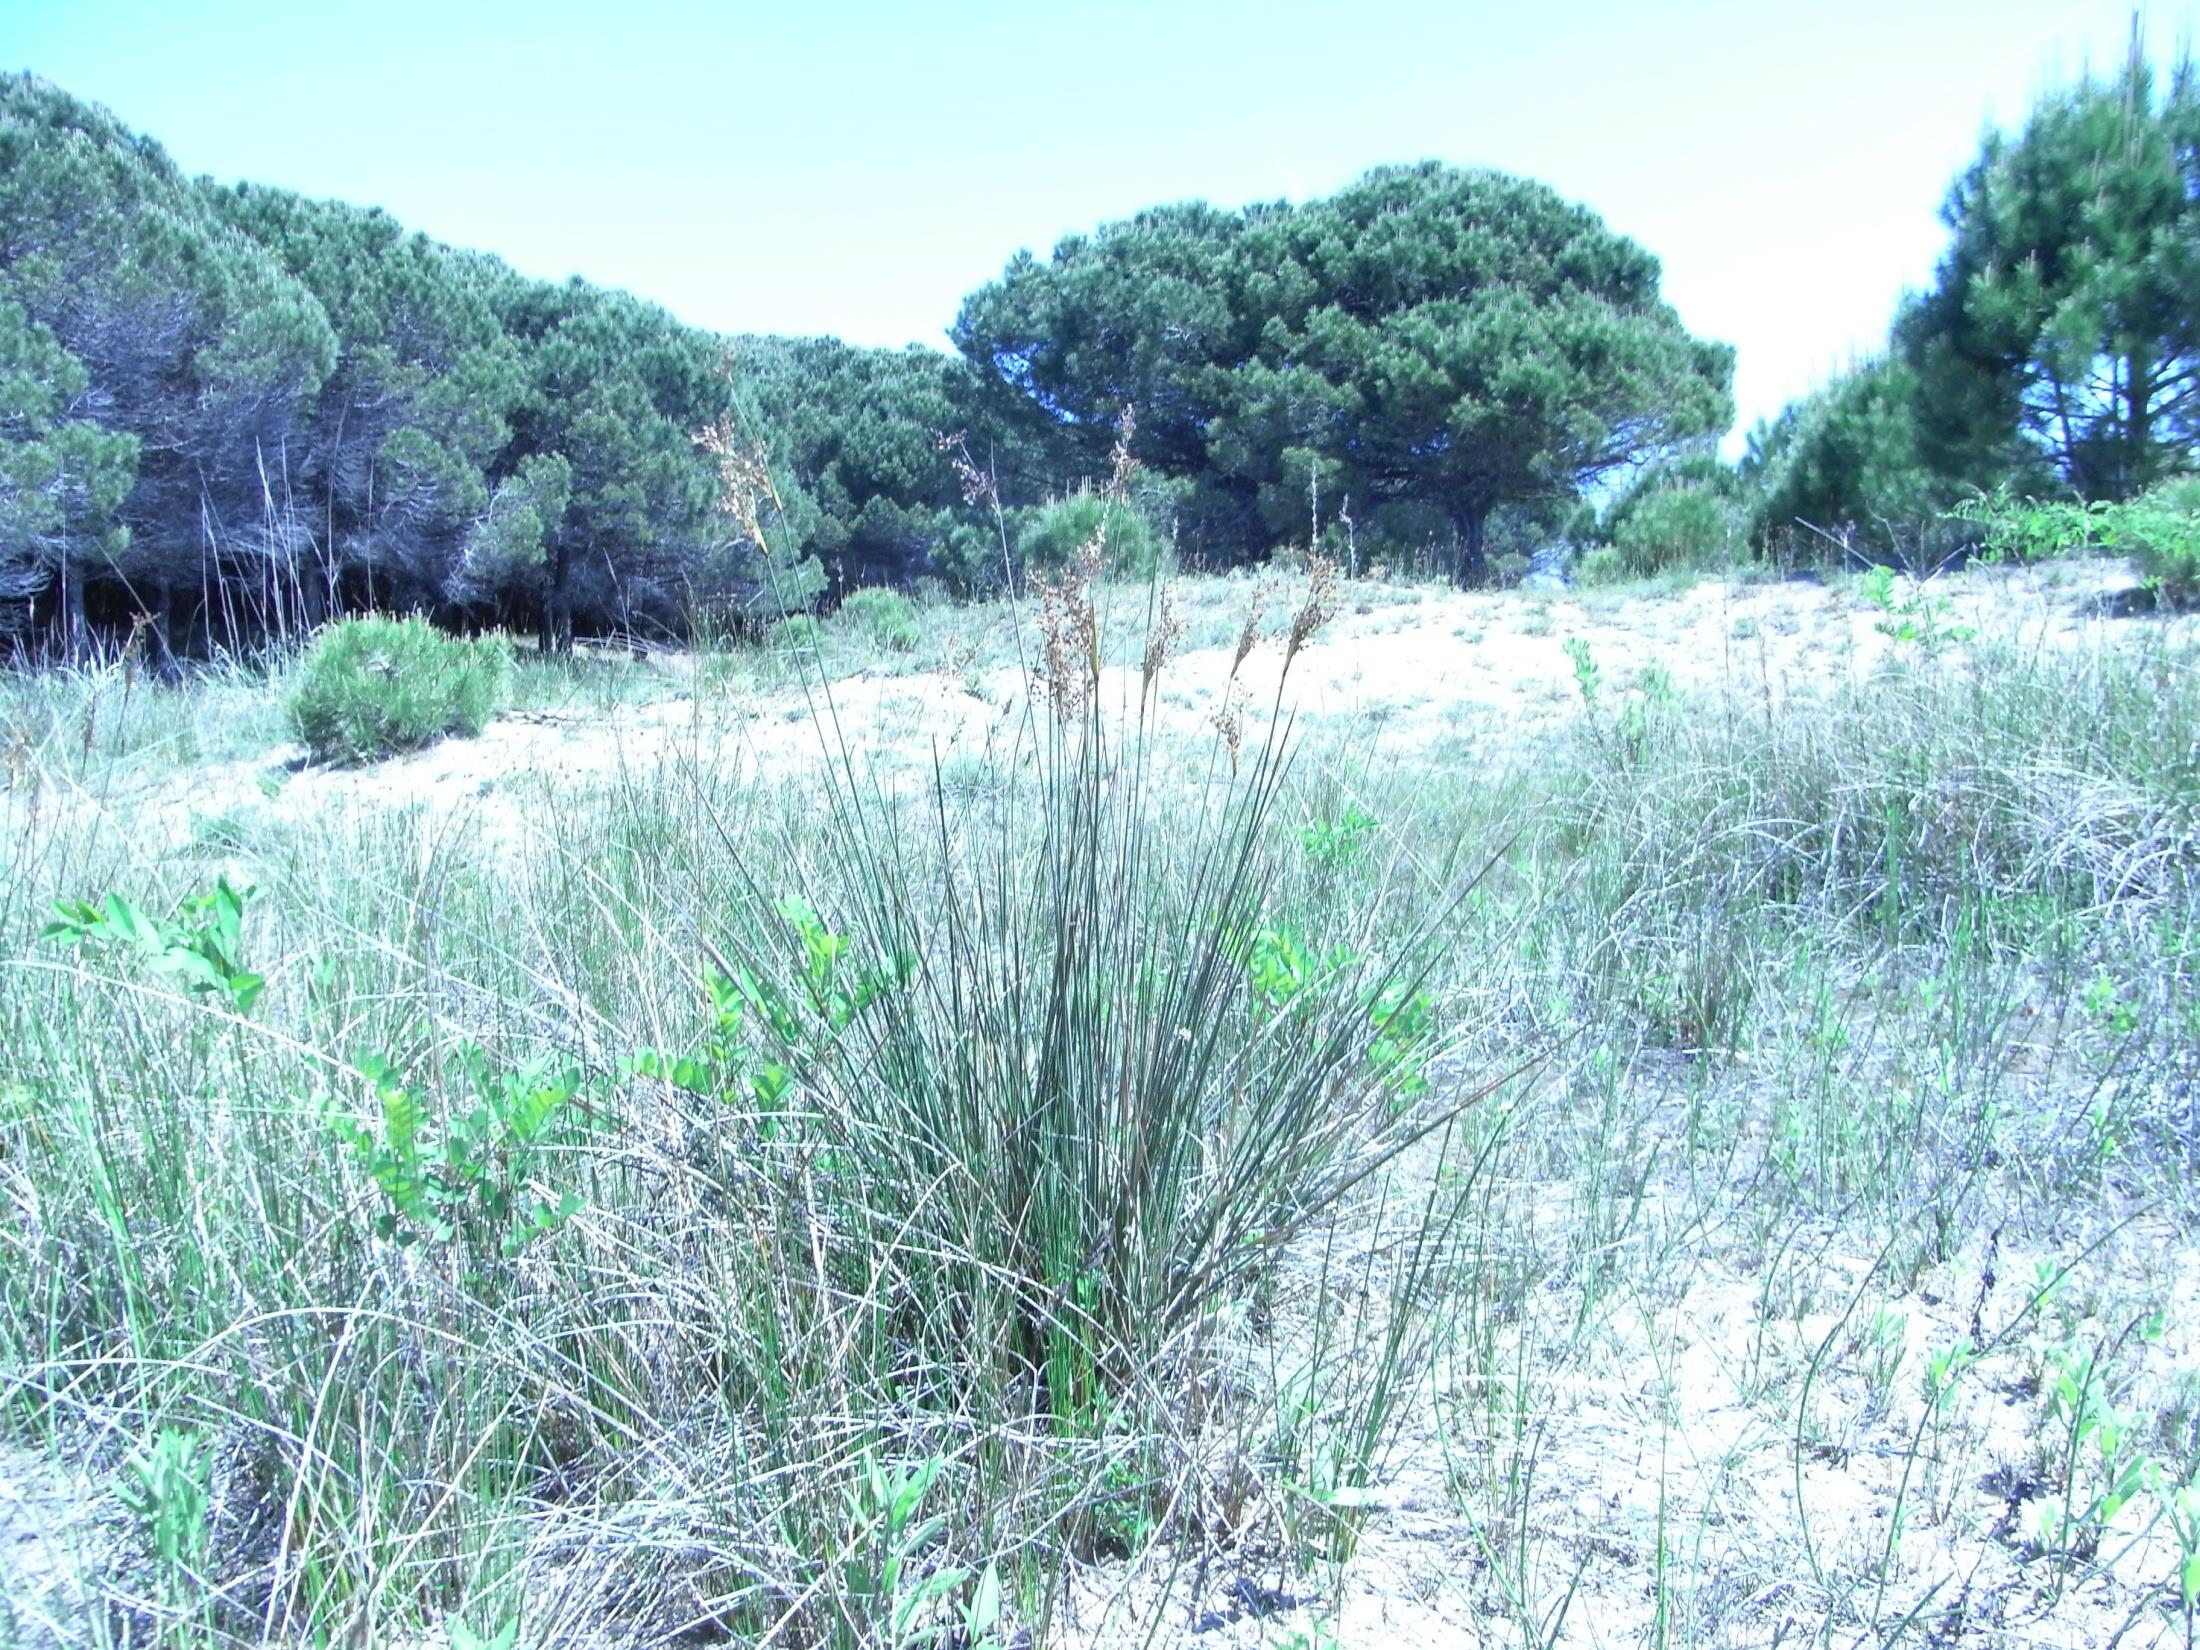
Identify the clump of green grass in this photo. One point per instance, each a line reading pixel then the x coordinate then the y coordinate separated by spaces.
pixel 883 618
pixel 97 721
pixel 375 687
pixel 817 1212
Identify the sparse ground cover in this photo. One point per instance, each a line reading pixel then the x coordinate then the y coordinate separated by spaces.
pixel 1707 1076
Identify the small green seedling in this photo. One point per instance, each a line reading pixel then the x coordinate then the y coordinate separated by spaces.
pixel 464 1637
pixel 471 1172
pixel 201 949
pixel 881 1566
pixel 1587 677
pixel 166 1488
pixel 1333 844
pixel 2183 1507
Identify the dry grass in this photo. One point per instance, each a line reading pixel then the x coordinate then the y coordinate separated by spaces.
pixel 1830 1274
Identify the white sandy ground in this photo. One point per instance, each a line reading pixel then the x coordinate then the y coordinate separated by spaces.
pixel 1401 671
pixel 1669 1444
pixel 1664 1437
pixel 49 1539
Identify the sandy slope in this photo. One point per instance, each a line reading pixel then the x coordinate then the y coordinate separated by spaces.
pixel 1404 672
pixel 1657 1428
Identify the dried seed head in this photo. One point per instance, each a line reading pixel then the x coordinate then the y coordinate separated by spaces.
pixel 1249 634
pixel 977 486
pixel 744 475
pixel 1123 466
pixel 1319 606
pixel 1228 721
pixel 1167 628
pixel 1092 555
pixel 133 650
pixel 1070 632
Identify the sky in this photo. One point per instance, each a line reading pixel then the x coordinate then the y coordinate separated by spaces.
pixel 856 169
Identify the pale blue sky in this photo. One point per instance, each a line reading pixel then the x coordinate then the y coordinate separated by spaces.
pixel 857 168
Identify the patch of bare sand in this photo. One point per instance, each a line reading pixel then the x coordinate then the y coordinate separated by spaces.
pixel 47 1530
pixel 1407 672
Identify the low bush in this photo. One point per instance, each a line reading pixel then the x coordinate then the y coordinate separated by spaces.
pixel 1680 527
pixel 376 686
pixel 1600 564
pixel 884 618
pixel 797 630
pixel 2160 530
pixel 1059 534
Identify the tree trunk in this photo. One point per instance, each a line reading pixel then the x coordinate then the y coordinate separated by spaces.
pixel 1469 568
pixel 2138 422
pixel 557 607
pixel 70 614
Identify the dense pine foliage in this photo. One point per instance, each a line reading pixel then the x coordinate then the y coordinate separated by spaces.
pixel 1431 344
pixel 229 412
pixel 2056 352
pixel 234 411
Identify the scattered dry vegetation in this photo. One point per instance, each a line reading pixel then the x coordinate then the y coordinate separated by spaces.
pixel 1630 1120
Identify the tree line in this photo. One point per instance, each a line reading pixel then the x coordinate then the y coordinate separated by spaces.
pixel 2056 352
pixel 228 412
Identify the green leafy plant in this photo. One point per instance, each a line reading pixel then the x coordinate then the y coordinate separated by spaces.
pixel 723 1059
pixel 2160 530
pixel 884 1581
pixel 1332 844
pixel 1945 1368
pixel 1278 968
pixel 472 1173
pixel 464 1636
pixel 758 1032
pixel 1914 613
pixel 837 990
pixel 2183 1509
pixel 165 1487
pixel 2103 1466
pixel 375 687
pixel 1404 1022
pixel 201 948
pixel 1588 676
pixel 2031 529
pixel 2106 1003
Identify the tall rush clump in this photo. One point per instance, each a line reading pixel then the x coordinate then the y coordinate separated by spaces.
pixel 1056 1128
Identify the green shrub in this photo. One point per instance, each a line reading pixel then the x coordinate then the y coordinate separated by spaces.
pixel 1681 527
pixel 1059 533
pixel 2161 529
pixel 1601 564
pixel 373 687
pixel 2032 529
pixel 967 555
pixel 883 618
pixel 797 630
